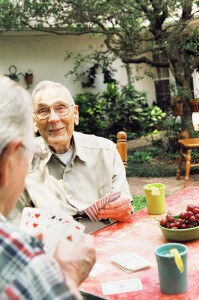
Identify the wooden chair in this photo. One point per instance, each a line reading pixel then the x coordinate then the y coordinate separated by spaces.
pixel 122 146
pixel 186 146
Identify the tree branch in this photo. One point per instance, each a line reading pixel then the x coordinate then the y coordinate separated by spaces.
pixel 62 31
pixel 144 60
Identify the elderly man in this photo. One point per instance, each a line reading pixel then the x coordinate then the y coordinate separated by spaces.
pixel 79 168
pixel 26 271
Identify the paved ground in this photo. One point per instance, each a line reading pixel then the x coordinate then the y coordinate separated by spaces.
pixel 172 185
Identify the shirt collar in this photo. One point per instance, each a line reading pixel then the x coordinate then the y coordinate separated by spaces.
pixel 78 149
pixel 2 218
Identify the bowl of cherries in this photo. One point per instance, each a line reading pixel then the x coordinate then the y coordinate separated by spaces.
pixel 184 227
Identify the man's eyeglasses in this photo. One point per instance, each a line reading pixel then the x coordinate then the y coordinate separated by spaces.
pixel 61 110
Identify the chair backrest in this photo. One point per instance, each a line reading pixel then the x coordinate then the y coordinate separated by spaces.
pixel 122 146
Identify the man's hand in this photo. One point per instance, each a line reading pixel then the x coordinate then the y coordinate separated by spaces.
pixel 76 261
pixel 118 210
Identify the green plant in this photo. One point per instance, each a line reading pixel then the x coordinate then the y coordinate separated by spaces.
pixel 139 202
pixel 91 64
pixel 91 111
pixel 141 156
pixel 114 110
pixel 162 163
pixel 172 129
pixel 179 93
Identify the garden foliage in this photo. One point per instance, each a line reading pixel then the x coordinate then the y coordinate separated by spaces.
pixel 114 110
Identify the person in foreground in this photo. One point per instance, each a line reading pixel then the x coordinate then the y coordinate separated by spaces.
pixel 79 168
pixel 26 272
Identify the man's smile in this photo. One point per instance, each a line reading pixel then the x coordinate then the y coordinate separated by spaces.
pixel 56 129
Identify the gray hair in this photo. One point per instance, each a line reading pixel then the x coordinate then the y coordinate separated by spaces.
pixel 15 113
pixel 43 85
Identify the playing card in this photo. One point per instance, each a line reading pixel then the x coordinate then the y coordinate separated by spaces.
pixel 130 261
pixel 32 220
pixel 93 209
pixel 73 231
pixel 97 270
pixel 54 225
pixel 52 233
pixel 122 286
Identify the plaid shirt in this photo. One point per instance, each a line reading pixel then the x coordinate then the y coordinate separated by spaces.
pixel 25 271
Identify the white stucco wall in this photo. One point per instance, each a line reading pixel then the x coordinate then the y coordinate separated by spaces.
pixel 44 54
pixel 196 83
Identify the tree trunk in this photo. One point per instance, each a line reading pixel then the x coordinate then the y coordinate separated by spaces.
pixel 184 83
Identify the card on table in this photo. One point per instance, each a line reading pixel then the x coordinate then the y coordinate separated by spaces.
pixel 54 225
pixel 122 286
pixel 93 209
pixel 97 270
pixel 130 261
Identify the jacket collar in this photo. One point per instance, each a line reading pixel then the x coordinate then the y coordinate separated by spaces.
pixel 79 149
pixel 46 153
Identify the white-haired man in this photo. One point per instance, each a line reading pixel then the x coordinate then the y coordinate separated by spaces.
pixel 79 168
pixel 26 271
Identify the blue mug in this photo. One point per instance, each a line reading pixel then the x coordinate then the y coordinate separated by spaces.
pixel 172 281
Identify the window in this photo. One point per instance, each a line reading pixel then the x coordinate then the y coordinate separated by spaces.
pixel 162 83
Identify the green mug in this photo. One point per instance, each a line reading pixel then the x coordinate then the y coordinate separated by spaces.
pixel 172 281
pixel 155 198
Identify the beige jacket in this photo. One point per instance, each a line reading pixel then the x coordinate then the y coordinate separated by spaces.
pixel 96 170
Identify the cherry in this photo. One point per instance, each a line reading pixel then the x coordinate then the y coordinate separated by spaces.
pixel 171 220
pixel 171 225
pixel 190 226
pixel 196 210
pixel 190 207
pixel 183 215
pixel 189 214
pixel 178 224
pixel 180 221
pixel 183 226
pixel 192 219
pixel 163 222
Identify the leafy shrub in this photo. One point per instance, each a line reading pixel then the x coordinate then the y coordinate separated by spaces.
pixel 91 109
pixel 141 156
pixel 114 110
pixel 159 164
pixel 169 141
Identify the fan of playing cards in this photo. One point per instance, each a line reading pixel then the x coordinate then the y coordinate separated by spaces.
pixel 93 210
pixel 54 225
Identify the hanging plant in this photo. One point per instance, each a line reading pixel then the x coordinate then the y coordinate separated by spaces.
pixel 90 76
pixel 108 76
pixel 97 61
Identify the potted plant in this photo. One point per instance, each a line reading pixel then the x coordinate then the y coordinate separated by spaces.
pixel 29 77
pixel 194 105
pixel 181 97
pixel 176 101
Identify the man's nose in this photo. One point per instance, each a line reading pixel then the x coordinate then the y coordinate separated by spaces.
pixel 53 117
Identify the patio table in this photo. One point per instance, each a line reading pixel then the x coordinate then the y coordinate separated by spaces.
pixel 142 235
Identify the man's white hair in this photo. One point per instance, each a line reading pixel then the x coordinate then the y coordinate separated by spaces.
pixel 43 85
pixel 15 113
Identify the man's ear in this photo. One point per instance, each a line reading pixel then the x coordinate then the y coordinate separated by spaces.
pixel 36 129
pixel 76 113
pixel 6 160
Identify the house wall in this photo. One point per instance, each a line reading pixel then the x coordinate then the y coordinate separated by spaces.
pixel 44 54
